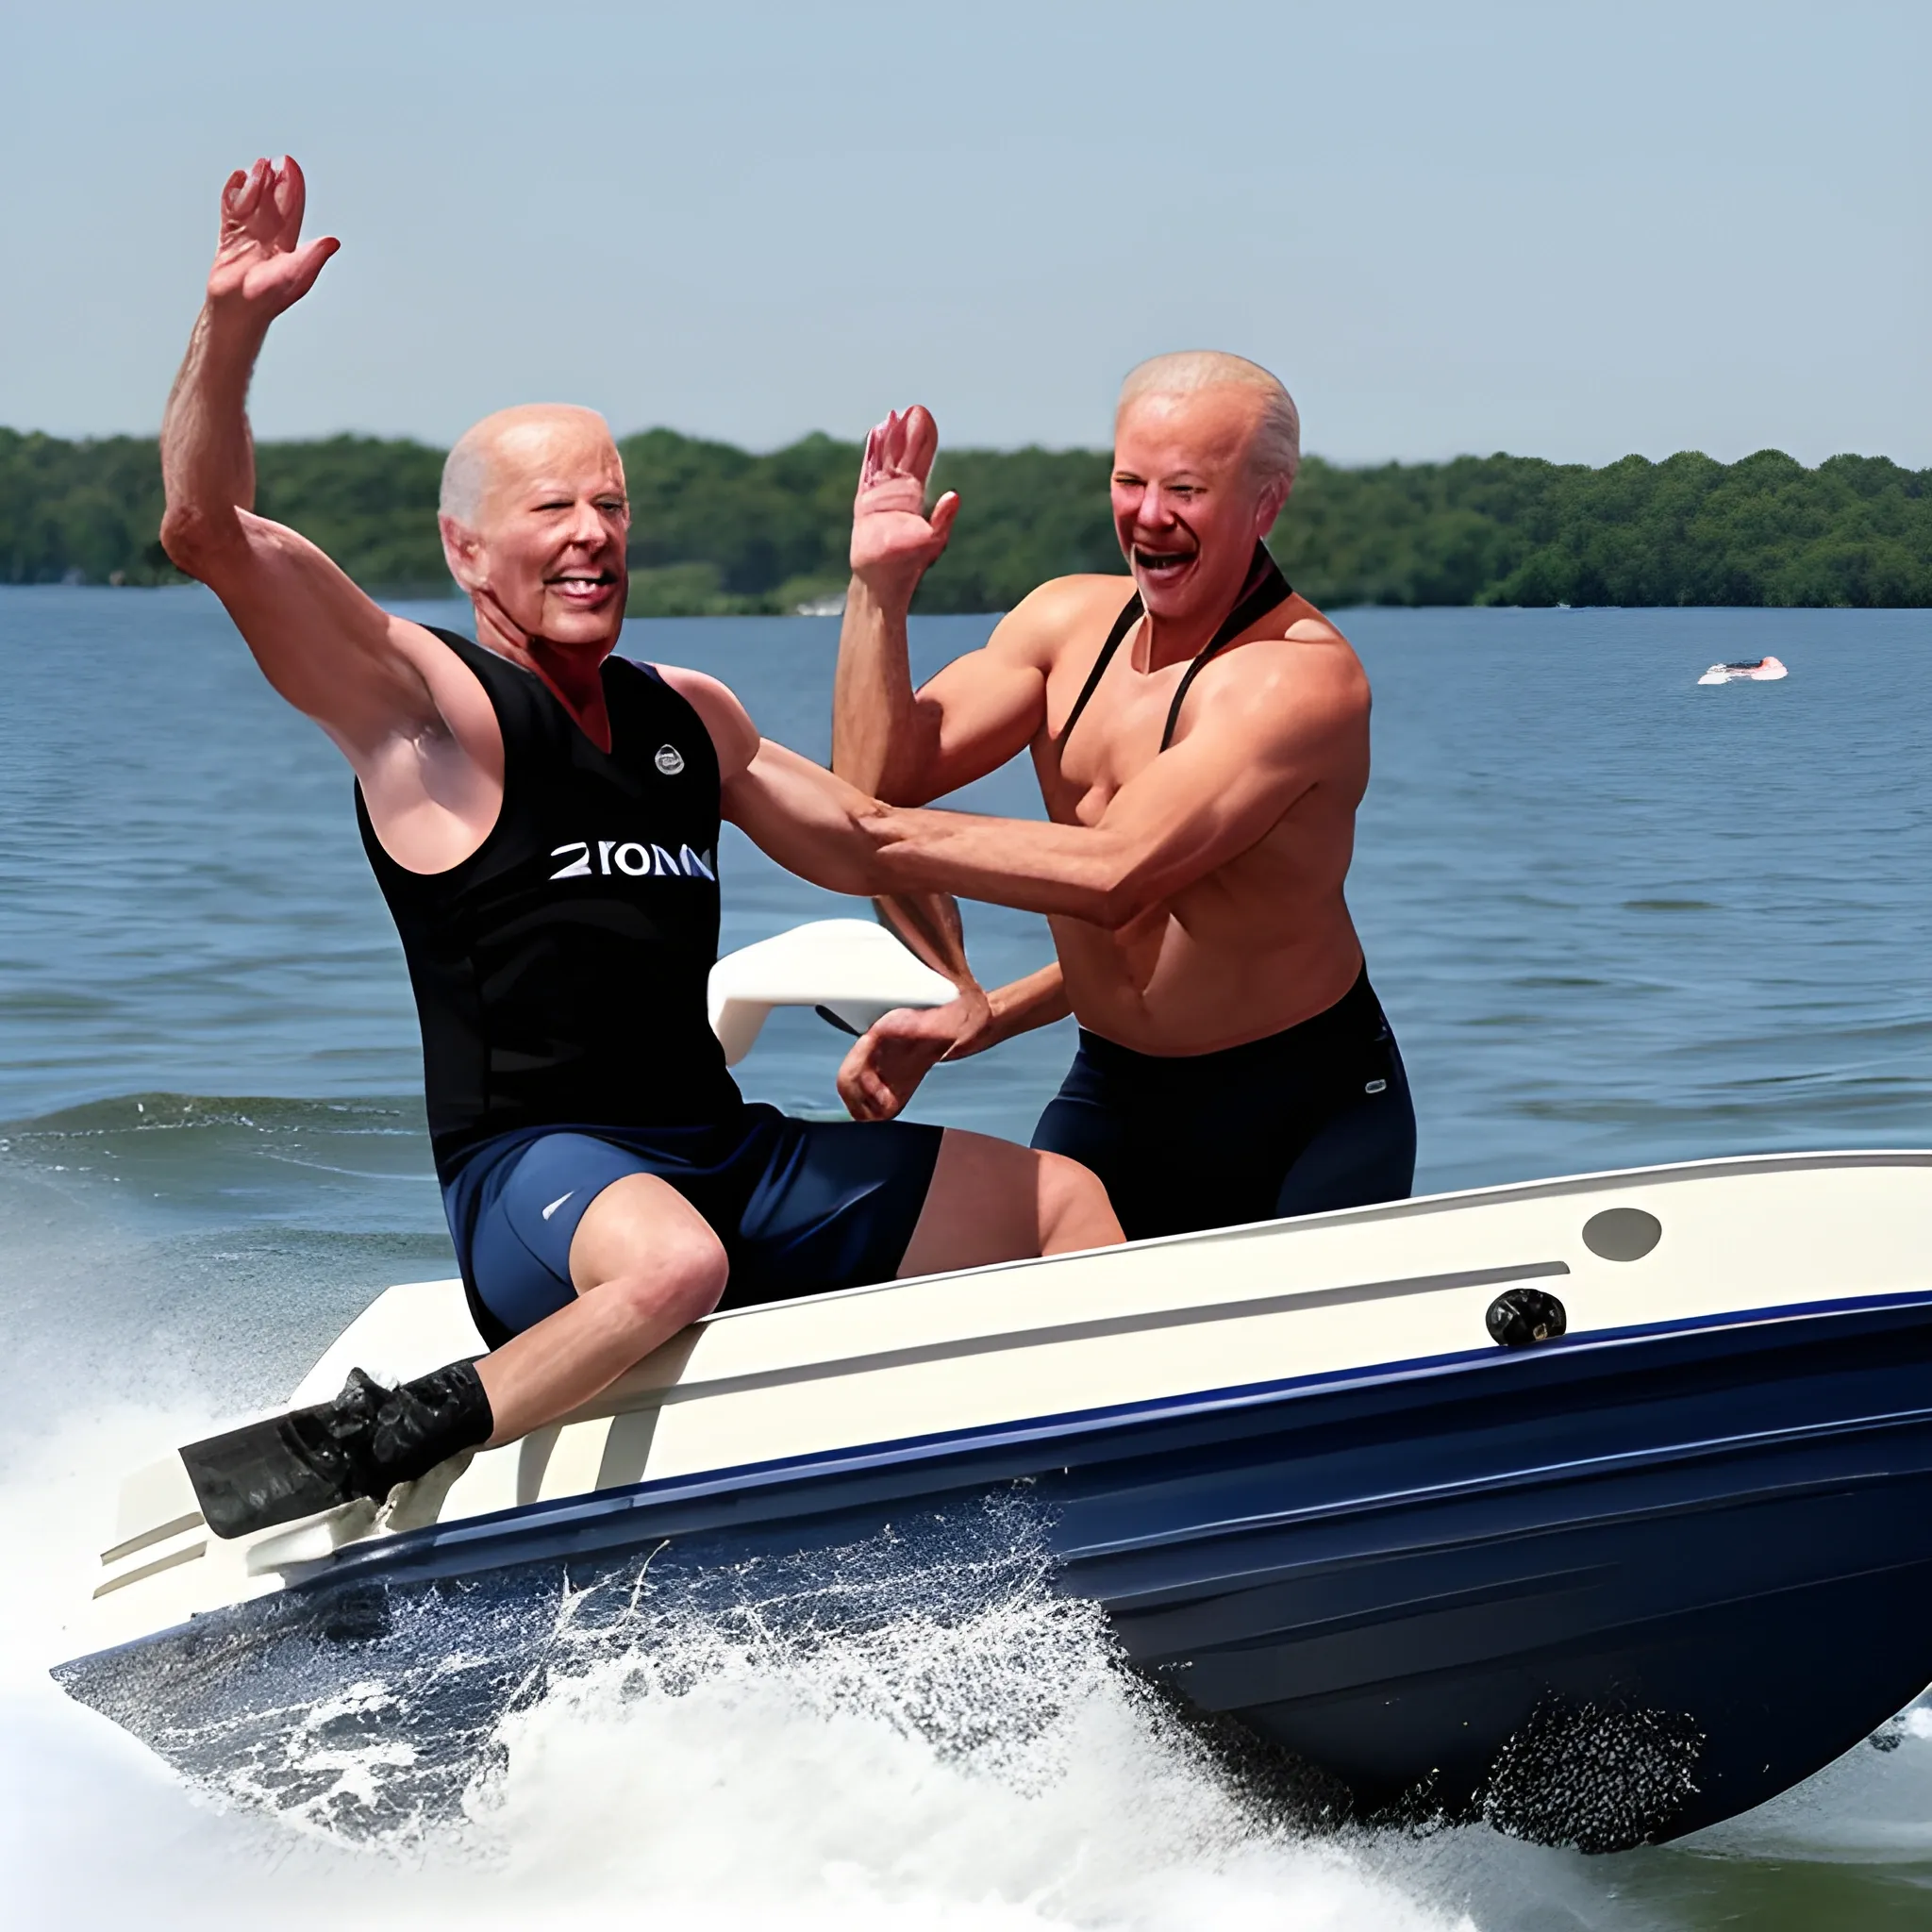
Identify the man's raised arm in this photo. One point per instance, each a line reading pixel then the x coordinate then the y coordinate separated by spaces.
pixel 907 746
pixel 324 645
pixel 898 744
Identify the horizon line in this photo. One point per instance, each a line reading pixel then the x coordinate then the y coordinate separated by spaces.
pixel 371 436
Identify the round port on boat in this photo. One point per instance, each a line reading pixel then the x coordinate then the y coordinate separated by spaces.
pixel 1521 1316
pixel 1622 1234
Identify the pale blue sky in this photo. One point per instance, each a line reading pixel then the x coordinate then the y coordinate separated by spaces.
pixel 1571 230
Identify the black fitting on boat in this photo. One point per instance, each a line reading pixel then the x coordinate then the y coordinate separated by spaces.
pixel 1521 1316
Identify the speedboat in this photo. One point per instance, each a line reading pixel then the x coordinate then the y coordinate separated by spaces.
pixel 1746 671
pixel 1597 1508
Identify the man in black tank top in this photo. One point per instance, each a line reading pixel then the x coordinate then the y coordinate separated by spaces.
pixel 542 818
pixel 1201 742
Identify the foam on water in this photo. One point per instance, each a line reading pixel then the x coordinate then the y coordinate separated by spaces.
pixel 986 1769
pixel 969 1759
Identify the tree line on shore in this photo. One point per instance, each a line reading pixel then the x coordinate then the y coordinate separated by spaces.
pixel 717 530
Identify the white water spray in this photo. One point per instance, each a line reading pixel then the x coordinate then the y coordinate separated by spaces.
pixel 987 1769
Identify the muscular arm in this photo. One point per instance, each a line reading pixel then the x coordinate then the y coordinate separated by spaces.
pixel 1256 750
pixel 1018 1007
pixel 895 744
pixel 907 747
pixel 812 823
pixel 324 645
pixel 320 642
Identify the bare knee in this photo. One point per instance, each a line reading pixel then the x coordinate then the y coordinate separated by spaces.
pixel 647 1255
pixel 1075 1211
pixel 678 1282
pixel 650 1263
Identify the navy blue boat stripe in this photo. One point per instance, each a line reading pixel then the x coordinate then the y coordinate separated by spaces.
pixel 1538 1476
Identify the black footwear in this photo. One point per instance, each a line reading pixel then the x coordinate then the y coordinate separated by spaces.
pixel 361 1444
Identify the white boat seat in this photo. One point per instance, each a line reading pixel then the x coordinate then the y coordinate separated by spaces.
pixel 855 971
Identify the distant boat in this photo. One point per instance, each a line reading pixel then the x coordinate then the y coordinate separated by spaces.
pixel 1751 671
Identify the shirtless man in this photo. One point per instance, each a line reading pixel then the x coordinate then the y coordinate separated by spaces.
pixel 1202 745
pixel 542 819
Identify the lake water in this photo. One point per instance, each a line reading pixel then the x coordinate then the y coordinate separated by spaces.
pixel 1614 917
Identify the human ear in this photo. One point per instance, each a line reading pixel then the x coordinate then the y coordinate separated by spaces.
pixel 462 550
pixel 1269 506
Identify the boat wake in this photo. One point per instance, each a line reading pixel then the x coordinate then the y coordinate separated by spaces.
pixel 779 1741
pixel 913 1728
pixel 393 1716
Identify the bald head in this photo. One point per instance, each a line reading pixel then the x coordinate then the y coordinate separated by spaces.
pixel 509 444
pixel 1274 447
pixel 535 529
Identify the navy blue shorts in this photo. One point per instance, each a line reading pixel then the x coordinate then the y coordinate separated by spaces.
pixel 800 1206
pixel 1310 1119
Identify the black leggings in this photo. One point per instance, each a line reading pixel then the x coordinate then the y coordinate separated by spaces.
pixel 1313 1118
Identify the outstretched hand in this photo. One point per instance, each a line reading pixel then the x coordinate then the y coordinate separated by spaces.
pixel 261 264
pixel 882 1071
pixel 894 540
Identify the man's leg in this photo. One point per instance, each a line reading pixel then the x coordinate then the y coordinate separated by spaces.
pixel 992 1201
pixel 644 1264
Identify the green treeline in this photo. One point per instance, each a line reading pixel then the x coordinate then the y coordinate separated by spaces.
pixel 717 530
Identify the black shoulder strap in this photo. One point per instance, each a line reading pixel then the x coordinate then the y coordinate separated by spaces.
pixel 1122 625
pixel 496 674
pixel 1265 588
pixel 526 708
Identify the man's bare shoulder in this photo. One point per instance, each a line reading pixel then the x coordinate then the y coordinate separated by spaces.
pixel 1305 624
pixel 1312 647
pixel 1304 682
pixel 1063 612
pixel 422 645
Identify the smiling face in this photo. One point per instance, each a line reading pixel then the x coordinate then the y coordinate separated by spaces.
pixel 535 523
pixel 1187 508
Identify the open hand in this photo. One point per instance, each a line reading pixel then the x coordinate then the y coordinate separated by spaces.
pixel 887 1063
pixel 893 539
pixel 261 264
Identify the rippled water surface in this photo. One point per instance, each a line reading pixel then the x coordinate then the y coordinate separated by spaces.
pixel 1615 918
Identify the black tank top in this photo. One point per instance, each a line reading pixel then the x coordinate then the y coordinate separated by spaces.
pixel 560 971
